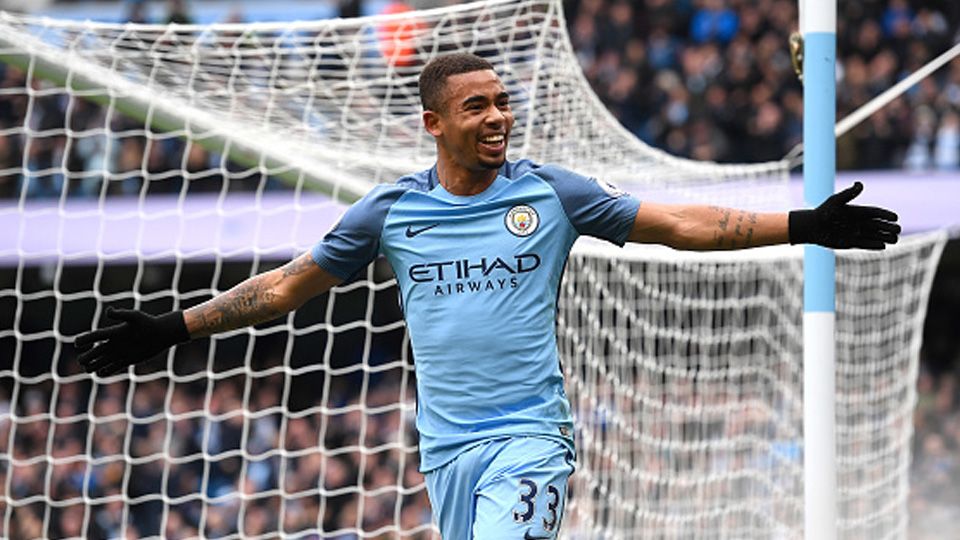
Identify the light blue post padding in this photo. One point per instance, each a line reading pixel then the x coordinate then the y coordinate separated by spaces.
pixel 819 163
pixel 819 271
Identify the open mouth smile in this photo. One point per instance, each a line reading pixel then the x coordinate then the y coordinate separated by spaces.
pixel 493 143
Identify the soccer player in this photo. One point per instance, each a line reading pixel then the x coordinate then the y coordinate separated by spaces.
pixel 478 245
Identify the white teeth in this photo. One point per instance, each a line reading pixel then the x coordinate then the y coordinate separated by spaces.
pixel 492 139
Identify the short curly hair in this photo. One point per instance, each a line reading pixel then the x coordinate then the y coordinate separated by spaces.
pixel 433 78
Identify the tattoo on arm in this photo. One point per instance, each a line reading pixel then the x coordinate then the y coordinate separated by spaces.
pixel 718 235
pixel 748 227
pixel 298 266
pixel 248 303
pixel 724 218
pixel 260 298
pixel 742 231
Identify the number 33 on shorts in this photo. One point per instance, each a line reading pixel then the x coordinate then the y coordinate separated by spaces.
pixel 527 508
pixel 508 489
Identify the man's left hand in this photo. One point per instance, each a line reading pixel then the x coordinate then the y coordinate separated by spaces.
pixel 838 224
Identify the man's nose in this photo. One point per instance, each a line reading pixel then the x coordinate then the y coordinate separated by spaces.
pixel 495 116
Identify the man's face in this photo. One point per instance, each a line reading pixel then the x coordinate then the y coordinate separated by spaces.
pixel 474 124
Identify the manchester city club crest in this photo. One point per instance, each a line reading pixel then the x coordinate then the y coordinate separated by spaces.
pixel 522 220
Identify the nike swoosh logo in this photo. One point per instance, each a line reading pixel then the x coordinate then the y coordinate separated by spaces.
pixel 411 232
pixel 526 536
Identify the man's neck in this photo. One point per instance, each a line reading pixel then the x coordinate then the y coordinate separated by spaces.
pixel 463 182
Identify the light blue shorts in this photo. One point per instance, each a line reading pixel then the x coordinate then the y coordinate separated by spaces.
pixel 502 489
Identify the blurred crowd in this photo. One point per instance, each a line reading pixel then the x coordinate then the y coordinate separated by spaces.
pixel 713 79
pixel 128 158
pixel 351 469
pixel 935 470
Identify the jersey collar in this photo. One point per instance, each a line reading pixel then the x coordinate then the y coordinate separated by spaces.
pixel 441 193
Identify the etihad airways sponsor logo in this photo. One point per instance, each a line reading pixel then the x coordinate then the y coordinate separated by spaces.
pixel 474 275
pixel 473 269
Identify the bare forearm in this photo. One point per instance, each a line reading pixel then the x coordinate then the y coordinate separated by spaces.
pixel 261 298
pixel 728 228
pixel 695 227
pixel 251 302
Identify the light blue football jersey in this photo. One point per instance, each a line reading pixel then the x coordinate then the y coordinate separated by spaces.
pixel 478 279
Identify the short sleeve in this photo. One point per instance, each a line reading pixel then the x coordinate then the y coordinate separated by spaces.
pixel 595 208
pixel 355 240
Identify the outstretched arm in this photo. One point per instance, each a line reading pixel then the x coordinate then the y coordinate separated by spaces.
pixel 835 224
pixel 693 227
pixel 141 336
pixel 260 298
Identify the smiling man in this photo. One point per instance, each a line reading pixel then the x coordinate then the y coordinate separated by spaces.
pixel 478 245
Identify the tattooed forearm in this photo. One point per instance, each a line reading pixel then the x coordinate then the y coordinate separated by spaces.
pixel 743 229
pixel 717 240
pixel 724 218
pixel 250 302
pixel 260 298
pixel 745 225
pixel 298 266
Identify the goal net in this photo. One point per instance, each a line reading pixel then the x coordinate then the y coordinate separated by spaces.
pixel 685 373
pixel 155 166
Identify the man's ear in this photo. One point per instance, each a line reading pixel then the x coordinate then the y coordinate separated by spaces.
pixel 431 121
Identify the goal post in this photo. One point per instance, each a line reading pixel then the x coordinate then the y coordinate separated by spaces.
pixel 155 166
pixel 820 269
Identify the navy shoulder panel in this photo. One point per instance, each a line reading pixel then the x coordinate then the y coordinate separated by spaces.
pixel 355 240
pixel 516 169
pixel 419 181
pixel 595 208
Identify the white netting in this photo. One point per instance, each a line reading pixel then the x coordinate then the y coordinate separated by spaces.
pixel 296 427
pixel 686 372
pixel 154 166
pixel 336 100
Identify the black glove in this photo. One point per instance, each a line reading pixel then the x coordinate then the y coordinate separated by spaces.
pixel 138 338
pixel 839 225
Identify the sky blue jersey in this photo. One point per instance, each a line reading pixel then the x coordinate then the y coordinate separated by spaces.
pixel 478 279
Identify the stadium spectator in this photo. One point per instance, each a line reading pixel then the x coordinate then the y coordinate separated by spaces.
pixel 136 11
pixel 178 12
pixel 714 21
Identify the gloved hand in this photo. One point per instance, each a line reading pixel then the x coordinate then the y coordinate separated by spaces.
pixel 839 225
pixel 138 338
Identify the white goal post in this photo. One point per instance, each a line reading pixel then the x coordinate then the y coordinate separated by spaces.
pixel 154 166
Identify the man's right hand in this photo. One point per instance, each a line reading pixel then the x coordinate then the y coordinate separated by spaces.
pixel 138 338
